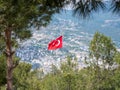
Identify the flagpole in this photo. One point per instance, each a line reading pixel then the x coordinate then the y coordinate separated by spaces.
pixel 61 32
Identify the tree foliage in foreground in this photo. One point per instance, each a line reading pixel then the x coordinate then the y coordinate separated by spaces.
pixel 69 76
pixel 17 16
pixel 92 77
pixel 102 49
pixel 16 19
pixel 2 70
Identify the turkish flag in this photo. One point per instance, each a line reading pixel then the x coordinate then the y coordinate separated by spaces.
pixel 55 44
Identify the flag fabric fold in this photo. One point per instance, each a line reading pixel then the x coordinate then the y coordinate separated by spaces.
pixel 55 44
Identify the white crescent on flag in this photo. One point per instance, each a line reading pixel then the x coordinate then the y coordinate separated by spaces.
pixel 58 43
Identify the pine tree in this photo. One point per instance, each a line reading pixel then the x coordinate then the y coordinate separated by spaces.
pixel 16 18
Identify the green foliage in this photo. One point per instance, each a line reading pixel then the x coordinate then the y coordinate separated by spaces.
pixel 70 64
pixel 85 8
pixel 2 43
pixel 25 78
pixel 24 34
pixel 16 18
pixel 116 79
pixel 117 57
pixel 26 13
pixel 67 78
pixel 55 70
pixel 102 49
pixel 63 78
pixel 115 6
pixel 103 54
pixel 20 74
pixel 2 70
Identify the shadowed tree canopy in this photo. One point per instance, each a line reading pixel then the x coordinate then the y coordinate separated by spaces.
pixel 84 8
pixel 2 70
pixel 22 14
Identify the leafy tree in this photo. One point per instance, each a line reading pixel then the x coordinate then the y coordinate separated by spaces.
pixel 84 8
pixel 116 79
pixel 55 70
pixel 21 74
pixel 102 53
pixel 3 68
pixel 63 78
pixel 69 65
pixel 102 50
pixel 117 58
pixel 25 78
pixel 69 71
pixel 16 18
pixel 2 44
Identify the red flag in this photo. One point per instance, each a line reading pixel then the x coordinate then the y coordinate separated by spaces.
pixel 55 44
